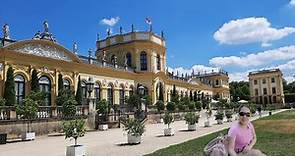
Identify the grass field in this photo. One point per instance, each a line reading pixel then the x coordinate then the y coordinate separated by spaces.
pixel 275 137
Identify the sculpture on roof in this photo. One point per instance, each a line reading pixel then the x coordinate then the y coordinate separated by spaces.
pixel 6 31
pixel 46 26
pixel 75 47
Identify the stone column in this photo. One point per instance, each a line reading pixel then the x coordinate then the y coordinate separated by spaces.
pixel 92 113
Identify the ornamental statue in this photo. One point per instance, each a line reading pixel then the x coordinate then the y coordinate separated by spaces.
pixel 6 31
pixel 46 26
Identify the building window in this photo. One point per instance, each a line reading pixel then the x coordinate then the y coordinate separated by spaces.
pixel 97 91
pixel 45 87
pixel 160 91
pixel 274 99
pixel 264 91
pixel 19 81
pixel 143 61
pixel 122 96
pixel 131 91
pixel 272 80
pixel 263 81
pixel 256 91
pixel 84 90
pixel 129 59
pixel 110 94
pixel 216 82
pixel 113 59
pixel 67 84
pixel 158 62
pixel 255 82
pixel 274 90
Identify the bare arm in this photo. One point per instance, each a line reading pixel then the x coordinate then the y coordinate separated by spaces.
pixel 231 147
pixel 254 139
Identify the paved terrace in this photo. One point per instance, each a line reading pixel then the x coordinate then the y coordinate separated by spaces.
pixel 111 142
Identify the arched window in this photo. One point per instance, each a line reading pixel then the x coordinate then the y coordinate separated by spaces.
pixel 122 96
pixel 143 61
pixel 84 89
pixel 158 62
pixel 45 86
pixel 113 59
pixel 97 91
pixel 67 84
pixel 110 94
pixel 131 91
pixel 129 59
pixel 19 81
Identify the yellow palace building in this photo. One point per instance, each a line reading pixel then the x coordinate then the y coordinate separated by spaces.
pixel 118 66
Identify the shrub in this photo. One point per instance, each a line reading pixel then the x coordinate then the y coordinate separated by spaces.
pixel 133 126
pixel 69 108
pixel 168 119
pixel 191 118
pixel 9 90
pixel 160 106
pixel 219 115
pixel 228 114
pixel 74 129
pixel 2 103
pixel 170 106
pixel 198 105
pixel 191 106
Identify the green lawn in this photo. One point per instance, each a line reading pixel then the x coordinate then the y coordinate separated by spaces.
pixel 275 135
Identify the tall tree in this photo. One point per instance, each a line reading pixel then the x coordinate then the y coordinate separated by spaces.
pixel 60 83
pixel 9 90
pixel 79 92
pixel 35 81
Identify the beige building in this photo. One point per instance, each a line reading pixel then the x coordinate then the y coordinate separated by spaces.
pixel 266 87
pixel 121 62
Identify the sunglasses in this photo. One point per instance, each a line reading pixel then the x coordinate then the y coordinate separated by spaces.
pixel 243 114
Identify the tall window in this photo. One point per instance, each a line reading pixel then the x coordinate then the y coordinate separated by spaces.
pixel 264 91
pixel 274 99
pixel 129 59
pixel 143 61
pixel 263 81
pixel 110 94
pixel 274 90
pixel 272 80
pixel 97 91
pixel 131 91
pixel 19 88
pixel 255 82
pixel 67 84
pixel 122 96
pixel 216 82
pixel 84 89
pixel 45 86
pixel 160 91
pixel 158 62
pixel 256 91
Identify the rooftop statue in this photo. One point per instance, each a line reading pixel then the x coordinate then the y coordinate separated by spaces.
pixel 46 26
pixel 6 31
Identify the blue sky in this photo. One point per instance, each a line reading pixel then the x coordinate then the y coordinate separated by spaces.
pixel 238 36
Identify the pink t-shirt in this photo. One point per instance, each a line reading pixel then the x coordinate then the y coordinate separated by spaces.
pixel 242 136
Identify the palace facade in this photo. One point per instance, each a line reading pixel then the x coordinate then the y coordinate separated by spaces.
pixel 266 87
pixel 120 64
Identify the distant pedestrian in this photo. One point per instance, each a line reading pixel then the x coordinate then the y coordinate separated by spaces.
pixel 259 110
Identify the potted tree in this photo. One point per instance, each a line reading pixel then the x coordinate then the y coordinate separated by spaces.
pixel 74 129
pixel 208 116
pixel 160 107
pixel 102 112
pixel 229 115
pixel 191 120
pixel 219 117
pixel 168 119
pixel 28 112
pixel 134 129
pixel 3 136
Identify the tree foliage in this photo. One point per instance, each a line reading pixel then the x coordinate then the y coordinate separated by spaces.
pixel 60 83
pixel 9 89
pixel 160 105
pixel 170 106
pixel 79 92
pixel 239 90
pixel 74 129
pixel 35 81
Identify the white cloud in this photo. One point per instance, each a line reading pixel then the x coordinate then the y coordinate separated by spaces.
pixel 266 45
pixel 110 22
pixel 256 59
pixel 238 76
pixel 196 68
pixel 292 2
pixel 250 30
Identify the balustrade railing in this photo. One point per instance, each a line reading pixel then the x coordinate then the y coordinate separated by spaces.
pixel 9 113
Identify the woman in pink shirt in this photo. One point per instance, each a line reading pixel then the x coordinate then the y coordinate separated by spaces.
pixel 242 136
